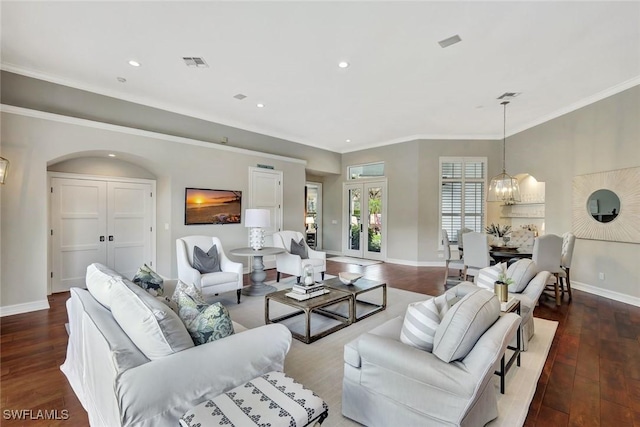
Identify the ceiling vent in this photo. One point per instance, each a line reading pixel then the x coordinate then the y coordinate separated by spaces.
pixel 195 61
pixel 448 42
pixel 240 96
pixel 508 95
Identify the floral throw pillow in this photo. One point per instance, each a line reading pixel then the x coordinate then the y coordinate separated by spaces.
pixel 149 280
pixel 204 322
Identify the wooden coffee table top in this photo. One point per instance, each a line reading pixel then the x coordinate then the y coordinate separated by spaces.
pixel 334 295
pixel 361 285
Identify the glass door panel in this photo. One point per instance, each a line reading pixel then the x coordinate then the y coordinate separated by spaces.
pixel 364 223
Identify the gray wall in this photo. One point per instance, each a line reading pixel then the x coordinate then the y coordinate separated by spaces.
pixel 600 137
pixel 412 170
pixel 32 144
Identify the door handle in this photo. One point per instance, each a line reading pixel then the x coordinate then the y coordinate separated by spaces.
pixel 361 230
pixel 102 238
pixel 111 238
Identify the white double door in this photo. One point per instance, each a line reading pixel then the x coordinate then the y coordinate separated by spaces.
pixel 94 220
pixel 265 192
pixel 364 213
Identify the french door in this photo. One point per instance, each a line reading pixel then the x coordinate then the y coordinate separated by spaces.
pixel 94 220
pixel 364 215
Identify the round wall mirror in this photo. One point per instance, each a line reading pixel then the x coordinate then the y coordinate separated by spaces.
pixel 603 205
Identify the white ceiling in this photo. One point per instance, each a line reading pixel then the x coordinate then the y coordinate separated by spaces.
pixel 401 85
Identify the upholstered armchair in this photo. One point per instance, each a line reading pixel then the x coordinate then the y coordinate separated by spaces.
pixel 293 264
pixel 228 279
pixel 389 383
pixel 528 284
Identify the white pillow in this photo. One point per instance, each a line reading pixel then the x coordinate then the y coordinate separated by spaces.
pixel 152 326
pixel 488 276
pixel 421 322
pixel 521 271
pixel 99 280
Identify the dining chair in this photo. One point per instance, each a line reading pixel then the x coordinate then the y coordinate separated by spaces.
pixel 460 233
pixel 456 264
pixel 568 242
pixel 476 253
pixel 547 254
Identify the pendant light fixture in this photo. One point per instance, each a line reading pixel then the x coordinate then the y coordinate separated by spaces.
pixel 504 188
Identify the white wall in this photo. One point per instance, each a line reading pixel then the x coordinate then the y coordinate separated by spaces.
pixel 33 143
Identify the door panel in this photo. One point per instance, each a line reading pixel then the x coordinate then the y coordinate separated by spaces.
pixel 78 220
pixel 265 192
pixel 129 226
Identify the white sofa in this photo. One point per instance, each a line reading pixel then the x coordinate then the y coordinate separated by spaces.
pixel 141 377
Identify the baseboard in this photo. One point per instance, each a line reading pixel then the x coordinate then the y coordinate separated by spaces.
pixel 415 263
pixel 616 296
pixel 10 310
pixel 336 253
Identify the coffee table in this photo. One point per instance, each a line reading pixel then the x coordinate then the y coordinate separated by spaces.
pixel 307 307
pixel 361 286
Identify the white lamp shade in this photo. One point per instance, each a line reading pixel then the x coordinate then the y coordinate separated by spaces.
pixel 257 218
pixel 309 220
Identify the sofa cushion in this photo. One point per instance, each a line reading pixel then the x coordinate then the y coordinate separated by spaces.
pixel 99 280
pixel 204 322
pixel 299 248
pixel 464 324
pixel 152 326
pixel 521 271
pixel 488 276
pixel 420 323
pixel 149 280
pixel 206 262
pixel 218 278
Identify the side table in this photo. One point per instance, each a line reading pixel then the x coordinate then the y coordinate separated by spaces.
pixel 257 287
pixel 515 357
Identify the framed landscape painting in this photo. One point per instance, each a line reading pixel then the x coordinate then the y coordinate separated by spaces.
pixel 203 206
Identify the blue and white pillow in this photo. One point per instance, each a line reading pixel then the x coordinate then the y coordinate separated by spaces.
pixel 149 280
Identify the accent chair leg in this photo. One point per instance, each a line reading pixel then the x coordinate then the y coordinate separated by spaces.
pixel 568 283
pixel 298 279
pixel 278 276
pixel 239 292
pixel 322 275
pixel 557 290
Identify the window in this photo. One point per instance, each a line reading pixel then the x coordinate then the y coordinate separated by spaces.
pixel 462 194
pixel 370 170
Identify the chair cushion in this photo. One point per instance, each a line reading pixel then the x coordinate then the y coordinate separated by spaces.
pixel 99 280
pixel 152 326
pixel 488 276
pixel 299 248
pixel 149 280
pixel 206 262
pixel 213 279
pixel 464 324
pixel 204 322
pixel 521 271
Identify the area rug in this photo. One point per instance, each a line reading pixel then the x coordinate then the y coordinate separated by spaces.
pixel 356 261
pixel 319 366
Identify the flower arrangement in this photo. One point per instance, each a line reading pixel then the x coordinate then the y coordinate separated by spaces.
pixel 503 278
pixel 497 229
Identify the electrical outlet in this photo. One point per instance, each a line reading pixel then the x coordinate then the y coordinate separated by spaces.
pixel 601 276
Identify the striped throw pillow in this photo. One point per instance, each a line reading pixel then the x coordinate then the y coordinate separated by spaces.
pixel 488 276
pixel 420 324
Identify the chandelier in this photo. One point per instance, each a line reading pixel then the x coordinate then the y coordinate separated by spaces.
pixel 503 187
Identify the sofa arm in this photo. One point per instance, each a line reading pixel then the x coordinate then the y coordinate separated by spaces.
pixel 232 267
pixel 536 285
pixel 289 264
pixel 492 345
pixel 166 388
pixel 316 254
pixel 415 365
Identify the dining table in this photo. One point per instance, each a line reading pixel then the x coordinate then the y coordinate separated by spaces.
pixel 506 253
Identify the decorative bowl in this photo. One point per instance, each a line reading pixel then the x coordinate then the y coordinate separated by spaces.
pixel 349 278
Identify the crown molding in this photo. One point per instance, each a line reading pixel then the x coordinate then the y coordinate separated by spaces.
pixel 20 111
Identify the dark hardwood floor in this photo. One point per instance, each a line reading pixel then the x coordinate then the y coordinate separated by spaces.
pixel 591 377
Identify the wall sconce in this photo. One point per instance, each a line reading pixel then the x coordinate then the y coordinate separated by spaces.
pixel 257 220
pixel 4 166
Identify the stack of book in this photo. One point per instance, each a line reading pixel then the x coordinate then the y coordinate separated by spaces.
pixel 302 292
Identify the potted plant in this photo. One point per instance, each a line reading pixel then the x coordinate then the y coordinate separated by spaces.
pixel 501 286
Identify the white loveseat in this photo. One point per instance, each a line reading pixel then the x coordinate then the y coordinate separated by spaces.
pixel 147 377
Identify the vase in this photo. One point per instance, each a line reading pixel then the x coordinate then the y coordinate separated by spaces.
pixel 501 290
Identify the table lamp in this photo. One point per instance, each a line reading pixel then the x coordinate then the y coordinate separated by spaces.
pixel 257 220
pixel 309 221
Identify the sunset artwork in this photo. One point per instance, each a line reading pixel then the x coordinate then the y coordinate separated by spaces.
pixel 212 206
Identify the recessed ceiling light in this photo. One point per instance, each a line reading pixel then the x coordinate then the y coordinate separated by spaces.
pixel 121 79
pixel 134 63
pixel 260 105
pixel 343 64
pixel 347 140
pixel 111 155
